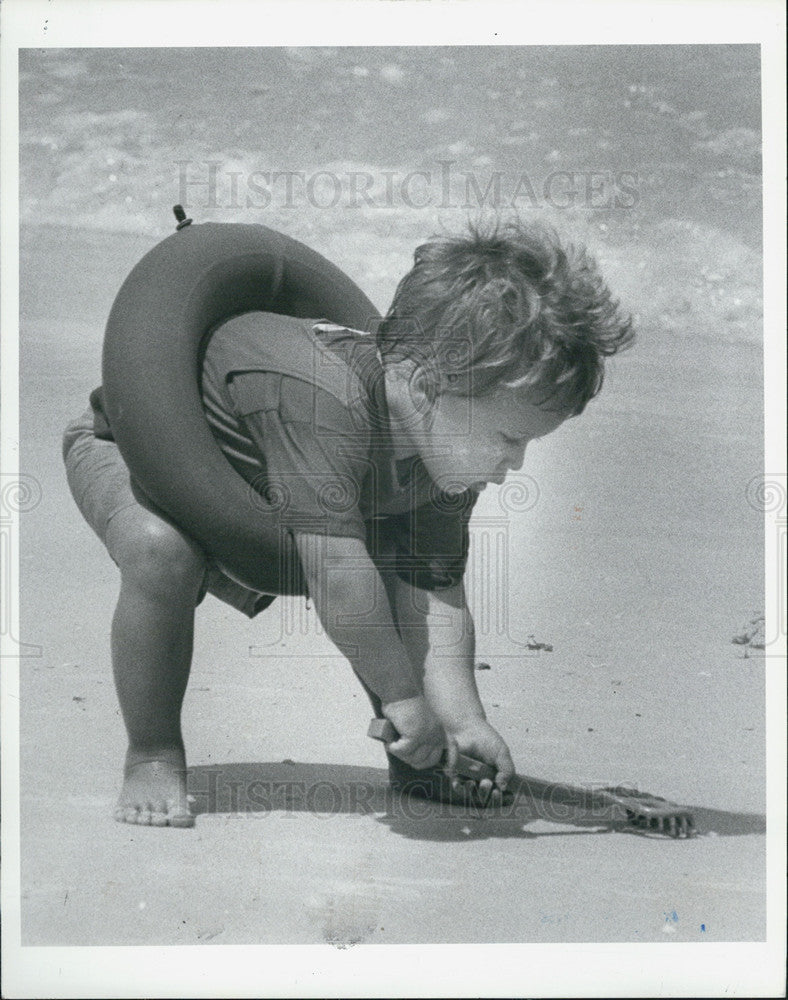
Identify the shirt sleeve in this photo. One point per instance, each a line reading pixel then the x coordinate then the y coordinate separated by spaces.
pixel 314 449
pixel 430 543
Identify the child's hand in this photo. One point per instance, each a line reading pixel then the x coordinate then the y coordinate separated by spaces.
pixel 421 738
pixel 478 739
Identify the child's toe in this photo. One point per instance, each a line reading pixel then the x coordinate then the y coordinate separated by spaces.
pixel 158 813
pixel 183 820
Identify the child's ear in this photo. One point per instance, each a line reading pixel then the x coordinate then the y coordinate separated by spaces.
pixel 422 389
pixel 414 392
pixel 418 382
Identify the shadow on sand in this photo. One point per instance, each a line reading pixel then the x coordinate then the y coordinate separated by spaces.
pixel 323 789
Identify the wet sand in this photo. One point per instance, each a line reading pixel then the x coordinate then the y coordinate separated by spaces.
pixel 638 562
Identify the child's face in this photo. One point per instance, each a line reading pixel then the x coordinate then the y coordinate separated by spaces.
pixel 467 442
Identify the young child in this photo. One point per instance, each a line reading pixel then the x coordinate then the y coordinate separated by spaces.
pixel 493 339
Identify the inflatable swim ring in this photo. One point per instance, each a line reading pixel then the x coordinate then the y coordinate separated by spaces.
pixel 155 337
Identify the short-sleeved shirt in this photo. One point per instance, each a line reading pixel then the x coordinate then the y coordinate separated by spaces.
pixel 299 409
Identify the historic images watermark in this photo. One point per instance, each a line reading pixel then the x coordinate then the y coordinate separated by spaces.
pixel 18 494
pixel 213 184
pixel 218 790
pixel 768 494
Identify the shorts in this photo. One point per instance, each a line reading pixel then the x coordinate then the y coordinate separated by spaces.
pixel 102 487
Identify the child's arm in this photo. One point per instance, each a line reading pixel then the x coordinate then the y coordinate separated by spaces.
pixel 438 632
pixel 353 607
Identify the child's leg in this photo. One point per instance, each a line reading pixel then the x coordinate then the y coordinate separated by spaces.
pixel 152 633
pixel 161 576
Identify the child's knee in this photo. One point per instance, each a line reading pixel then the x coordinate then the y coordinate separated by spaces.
pixel 156 558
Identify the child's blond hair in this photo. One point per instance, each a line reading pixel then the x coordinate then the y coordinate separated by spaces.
pixel 506 307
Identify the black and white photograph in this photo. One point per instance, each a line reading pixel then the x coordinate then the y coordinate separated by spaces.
pixel 393 499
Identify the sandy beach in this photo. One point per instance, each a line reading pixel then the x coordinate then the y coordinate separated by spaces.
pixel 638 557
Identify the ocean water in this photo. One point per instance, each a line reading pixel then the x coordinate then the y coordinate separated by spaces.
pixel 650 155
pixel 105 131
pixel 110 136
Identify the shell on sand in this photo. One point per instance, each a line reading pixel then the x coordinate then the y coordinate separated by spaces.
pixel 752 634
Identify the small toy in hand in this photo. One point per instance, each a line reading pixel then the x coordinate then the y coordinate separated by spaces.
pixel 466 767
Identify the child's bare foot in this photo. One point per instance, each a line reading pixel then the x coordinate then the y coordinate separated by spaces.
pixel 154 790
